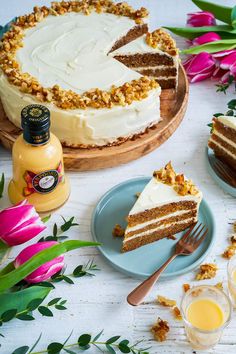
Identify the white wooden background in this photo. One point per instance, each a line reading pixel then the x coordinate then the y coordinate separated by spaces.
pixel 100 302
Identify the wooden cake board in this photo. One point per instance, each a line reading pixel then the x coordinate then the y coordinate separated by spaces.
pixel 173 107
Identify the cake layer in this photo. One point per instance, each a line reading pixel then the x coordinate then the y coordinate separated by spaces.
pixel 172 229
pixel 158 70
pixel 223 154
pixel 159 222
pixel 167 83
pixel 132 34
pixel 229 131
pixel 145 59
pixel 224 142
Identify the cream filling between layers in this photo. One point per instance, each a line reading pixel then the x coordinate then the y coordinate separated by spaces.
pixel 162 227
pixel 153 221
pixel 228 141
pixel 223 148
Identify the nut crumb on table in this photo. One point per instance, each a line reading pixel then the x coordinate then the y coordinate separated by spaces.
pixel 165 301
pixel 207 271
pixel 186 287
pixel 177 314
pixel 219 286
pixel 160 330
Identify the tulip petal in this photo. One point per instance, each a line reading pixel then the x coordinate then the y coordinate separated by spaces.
pixel 200 77
pixel 228 61
pixel 200 19
pixel 223 53
pixel 201 63
pixel 206 38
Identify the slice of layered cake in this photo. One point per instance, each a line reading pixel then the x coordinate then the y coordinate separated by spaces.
pixel 154 55
pixel 223 139
pixel 168 204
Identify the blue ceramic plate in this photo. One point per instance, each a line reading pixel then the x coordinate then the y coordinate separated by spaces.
pixel 112 209
pixel 210 157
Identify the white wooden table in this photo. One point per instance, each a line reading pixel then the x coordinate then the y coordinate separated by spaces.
pixel 100 302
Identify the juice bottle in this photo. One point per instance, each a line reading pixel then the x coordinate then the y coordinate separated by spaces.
pixel 38 169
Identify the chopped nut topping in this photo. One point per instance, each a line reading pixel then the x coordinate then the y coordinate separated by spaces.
pixel 176 313
pixel 165 302
pixel 219 286
pixel 229 252
pixel 186 287
pixel 207 271
pixel 162 40
pixel 168 176
pixel 160 330
pixel 118 231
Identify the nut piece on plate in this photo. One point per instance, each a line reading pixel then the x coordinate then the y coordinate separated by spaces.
pixel 176 313
pixel 118 231
pixel 219 286
pixel 165 302
pixel 207 271
pixel 186 287
pixel 160 330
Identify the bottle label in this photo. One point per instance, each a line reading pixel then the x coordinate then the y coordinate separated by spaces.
pixel 43 182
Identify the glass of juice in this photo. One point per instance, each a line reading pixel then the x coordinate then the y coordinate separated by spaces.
pixel 232 280
pixel 206 311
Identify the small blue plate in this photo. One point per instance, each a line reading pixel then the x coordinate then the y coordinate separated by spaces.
pixel 210 157
pixel 113 208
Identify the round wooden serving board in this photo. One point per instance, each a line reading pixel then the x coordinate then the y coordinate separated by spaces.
pixel 173 107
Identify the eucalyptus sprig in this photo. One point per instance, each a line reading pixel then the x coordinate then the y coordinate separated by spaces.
pixel 224 87
pixel 85 341
pixel 2 182
pixel 80 271
pixel 57 233
pixel 231 112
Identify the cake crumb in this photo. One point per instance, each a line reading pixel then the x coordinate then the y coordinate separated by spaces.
pixel 176 313
pixel 171 237
pixel 118 231
pixel 165 301
pixel 186 287
pixel 160 330
pixel 207 271
pixel 219 286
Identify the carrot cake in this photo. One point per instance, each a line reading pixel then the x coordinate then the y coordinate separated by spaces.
pixel 168 204
pixel 61 56
pixel 223 139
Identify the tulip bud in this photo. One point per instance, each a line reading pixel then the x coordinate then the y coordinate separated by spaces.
pixel 199 67
pixel 19 224
pixel 206 38
pixel 45 271
pixel 200 19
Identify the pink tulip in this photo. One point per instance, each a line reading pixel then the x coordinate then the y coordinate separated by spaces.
pixel 228 61
pixel 45 271
pixel 206 38
pixel 200 19
pixel 233 70
pixel 199 67
pixel 223 53
pixel 19 224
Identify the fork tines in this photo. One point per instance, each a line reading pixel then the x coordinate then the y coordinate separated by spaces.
pixel 195 235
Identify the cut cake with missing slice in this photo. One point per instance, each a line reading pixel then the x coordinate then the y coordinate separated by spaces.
pixel 168 204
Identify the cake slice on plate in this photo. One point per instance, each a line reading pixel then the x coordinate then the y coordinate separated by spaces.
pixel 168 204
pixel 223 139
pixel 152 54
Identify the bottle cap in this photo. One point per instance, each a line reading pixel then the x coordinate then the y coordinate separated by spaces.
pixel 35 122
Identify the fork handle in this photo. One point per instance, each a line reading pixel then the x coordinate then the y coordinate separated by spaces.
pixel 136 297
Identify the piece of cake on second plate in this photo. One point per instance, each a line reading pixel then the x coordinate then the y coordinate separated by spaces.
pixel 168 204
pixel 223 139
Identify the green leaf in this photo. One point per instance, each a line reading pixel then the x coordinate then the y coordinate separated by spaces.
pixel 2 182
pixel 222 13
pixel 68 224
pixel 55 230
pixel 10 279
pixel 54 348
pixel 229 113
pixel 69 351
pixel 97 336
pixel 4 251
pixel 112 339
pixel 34 304
pixel 232 104
pixel 212 47
pixel 124 348
pixel 54 301
pixel 67 279
pixel 8 315
pixel 193 32
pixel 233 16
pixel 21 350
pixel 45 311
pixel 84 340
pixel 35 344
pixel 110 349
pixel 20 300
pixel 216 115
pixel 46 218
pixel 60 307
pixel 63 302
pixel 25 317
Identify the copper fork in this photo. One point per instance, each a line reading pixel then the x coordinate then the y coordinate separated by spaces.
pixel 225 172
pixel 188 243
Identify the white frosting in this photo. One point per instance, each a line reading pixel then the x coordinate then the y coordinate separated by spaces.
pixel 222 137
pixel 161 227
pixel 156 194
pixel 153 221
pixel 230 121
pixel 71 50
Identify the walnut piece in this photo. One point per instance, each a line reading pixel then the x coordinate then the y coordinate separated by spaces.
pixel 219 286
pixel 165 301
pixel 162 40
pixel 176 313
pixel 160 330
pixel 207 271
pixel 229 252
pixel 186 287
pixel 118 231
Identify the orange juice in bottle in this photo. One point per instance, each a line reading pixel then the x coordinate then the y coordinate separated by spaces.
pixel 38 169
